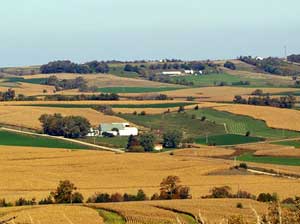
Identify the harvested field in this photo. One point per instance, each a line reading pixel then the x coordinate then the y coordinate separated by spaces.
pixel 97 171
pixel 274 117
pixel 209 151
pixel 213 210
pixel 58 214
pixel 29 89
pixel 28 117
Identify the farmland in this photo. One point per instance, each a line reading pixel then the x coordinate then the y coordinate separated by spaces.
pixel 289 161
pixel 15 139
pixel 136 89
pixel 228 139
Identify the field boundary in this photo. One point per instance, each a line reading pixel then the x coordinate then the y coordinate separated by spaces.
pixel 64 139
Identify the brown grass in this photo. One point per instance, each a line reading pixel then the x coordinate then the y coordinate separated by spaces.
pixel 58 214
pixel 34 172
pixel 28 117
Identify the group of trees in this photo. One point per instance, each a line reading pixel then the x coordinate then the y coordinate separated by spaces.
pixel 146 142
pixel 66 193
pixel 294 58
pixel 69 126
pixel 266 100
pixel 70 67
pixel 230 65
pixel 77 83
pixel 10 95
pixel 102 96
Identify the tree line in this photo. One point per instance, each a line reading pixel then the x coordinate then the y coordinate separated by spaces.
pixel 266 100
pixel 66 193
pixel 67 66
pixel 294 58
pixel 69 126
pixel 83 97
pixel 10 95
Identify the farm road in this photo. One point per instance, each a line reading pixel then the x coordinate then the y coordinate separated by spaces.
pixel 65 139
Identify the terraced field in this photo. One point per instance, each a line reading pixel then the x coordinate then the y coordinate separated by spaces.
pixel 239 125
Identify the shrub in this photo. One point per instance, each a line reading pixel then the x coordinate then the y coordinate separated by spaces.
pixel 221 192
pixel 147 141
pixel 143 113
pixel 243 165
pixel 116 197
pixel 172 139
pixel 288 201
pixel 247 133
pixel 22 201
pixel 190 98
pixel 196 107
pixel 267 197
pixel 203 118
pixel 46 201
pixel 230 65
pixel 239 205
pixel 181 109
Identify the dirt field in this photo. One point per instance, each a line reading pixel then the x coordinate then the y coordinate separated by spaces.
pixel 34 172
pixel 58 214
pixel 28 117
pixel 274 117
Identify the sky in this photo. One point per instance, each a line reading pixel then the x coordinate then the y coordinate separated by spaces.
pixel 35 32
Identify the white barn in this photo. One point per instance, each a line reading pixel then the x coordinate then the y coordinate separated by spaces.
pixel 118 129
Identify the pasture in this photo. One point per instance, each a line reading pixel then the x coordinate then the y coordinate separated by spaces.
pixel 15 139
pixel 136 89
pixel 294 143
pixel 228 139
pixel 289 161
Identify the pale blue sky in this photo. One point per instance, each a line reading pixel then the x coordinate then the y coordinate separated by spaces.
pixel 38 31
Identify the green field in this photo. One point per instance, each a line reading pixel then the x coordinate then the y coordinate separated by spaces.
pixel 228 139
pixel 239 125
pixel 136 89
pixel 162 105
pixel 296 144
pixel 111 217
pixel 20 79
pixel 115 142
pixel 176 121
pixel 16 139
pixel 213 79
pixel 248 157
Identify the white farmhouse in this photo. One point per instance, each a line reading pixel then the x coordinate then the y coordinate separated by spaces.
pixel 118 129
pixel 189 72
pixel 171 73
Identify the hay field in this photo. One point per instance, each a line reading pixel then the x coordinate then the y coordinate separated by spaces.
pixel 204 152
pixel 216 94
pixel 58 214
pixel 34 172
pixel 213 210
pixel 29 89
pixel 274 117
pixel 28 117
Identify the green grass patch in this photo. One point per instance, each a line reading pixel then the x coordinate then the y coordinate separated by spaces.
pixel 295 143
pixel 32 81
pixel 228 139
pixel 136 89
pixel 176 121
pixel 239 124
pixel 115 142
pixel 111 217
pixel 16 139
pixel 162 105
pixel 248 157
pixel 213 79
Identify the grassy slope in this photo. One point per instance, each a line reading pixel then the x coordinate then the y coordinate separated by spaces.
pixel 118 142
pixel 296 144
pixel 15 139
pixel 237 124
pixel 174 121
pixel 229 139
pixel 270 160
pixel 135 89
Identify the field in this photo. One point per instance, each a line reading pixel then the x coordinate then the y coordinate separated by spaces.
pixel 58 214
pixel 14 139
pixel 117 142
pixel 228 139
pixel 28 117
pixel 136 89
pixel 295 143
pixel 274 117
pixel 175 121
pixel 240 125
pixel 289 161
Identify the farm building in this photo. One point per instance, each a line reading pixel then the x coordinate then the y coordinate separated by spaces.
pixel 189 72
pixel 118 129
pixel 172 73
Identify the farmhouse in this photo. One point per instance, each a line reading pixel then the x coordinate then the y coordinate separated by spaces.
pixel 171 73
pixel 118 129
pixel 189 72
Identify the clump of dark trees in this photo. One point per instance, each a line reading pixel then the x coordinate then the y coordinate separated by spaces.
pixel 226 192
pixel 294 58
pixel 66 193
pixel 69 126
pixel 101 96
pixel 261 99
pixel 230 65
pixel 146 142
pixel 70 67
pixel 10 95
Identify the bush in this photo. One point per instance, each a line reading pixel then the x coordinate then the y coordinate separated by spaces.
pixel 172 139
pixel 267 197
pixel 46 201
pixel 239 205
pixel 203 118
pixel 221 192
pixel 247 133
pixel 196 107
pixel 147 141
pixel 22 201
pixel 230 65
pixel 143 113
pixel 243 165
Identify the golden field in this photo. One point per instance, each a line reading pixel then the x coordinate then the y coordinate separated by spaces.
pixel 50 214
pixel 214 210
pixel 274 117
pixel 29 89
pixel 34 172
pixel 28 117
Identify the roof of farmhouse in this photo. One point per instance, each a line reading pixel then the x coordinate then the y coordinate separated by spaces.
pixel 110 126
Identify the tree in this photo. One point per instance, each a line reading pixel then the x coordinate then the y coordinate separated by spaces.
pixel 147 141
pixel 134 145
pixel 170 188
pixel 64 193
pixel 230 65
pixel 181 109
pixel 172 139
pixel 221 192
